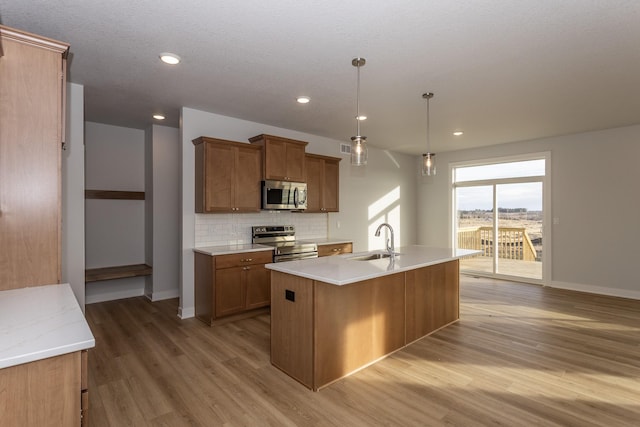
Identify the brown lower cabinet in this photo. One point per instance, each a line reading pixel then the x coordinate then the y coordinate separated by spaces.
pixel 335 249
pixel 231 284
pixel 48 392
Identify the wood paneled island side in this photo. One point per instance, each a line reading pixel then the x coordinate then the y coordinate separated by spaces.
pixel 331 317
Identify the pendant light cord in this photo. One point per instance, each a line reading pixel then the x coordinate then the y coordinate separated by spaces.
pixel 428 129
pixel 358 103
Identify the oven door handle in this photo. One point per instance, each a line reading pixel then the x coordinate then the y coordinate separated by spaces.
pixel 281 258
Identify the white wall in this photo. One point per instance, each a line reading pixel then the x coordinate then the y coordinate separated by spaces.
pixel 362 190
pixel 162 211
pixel 115 231
pixel 73 194
pixel 594 179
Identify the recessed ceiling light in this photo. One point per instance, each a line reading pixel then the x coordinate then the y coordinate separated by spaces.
pixel 158 117
pixel 361 117
pixel 169 58
pixel 303 99
pixel 458 133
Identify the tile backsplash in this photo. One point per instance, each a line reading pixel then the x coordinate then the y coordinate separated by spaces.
pixel 226 229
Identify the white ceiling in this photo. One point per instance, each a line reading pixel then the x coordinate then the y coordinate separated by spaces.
pixel 501 70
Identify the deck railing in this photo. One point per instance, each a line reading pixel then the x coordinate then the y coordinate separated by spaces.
pixel 513 242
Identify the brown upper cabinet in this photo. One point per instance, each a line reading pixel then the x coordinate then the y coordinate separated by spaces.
pixel 283 158
pixel 228 175
pixel 32 96
pixel 323 182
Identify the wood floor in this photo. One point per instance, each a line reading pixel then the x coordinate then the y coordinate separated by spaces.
pixel 520 355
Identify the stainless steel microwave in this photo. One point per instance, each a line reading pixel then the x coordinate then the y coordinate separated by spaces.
pixel 284 195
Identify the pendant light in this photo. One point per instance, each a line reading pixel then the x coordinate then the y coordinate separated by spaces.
pixel 358 142
pixel 428 159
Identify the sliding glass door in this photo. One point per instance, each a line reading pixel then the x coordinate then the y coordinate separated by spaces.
pixel 499 211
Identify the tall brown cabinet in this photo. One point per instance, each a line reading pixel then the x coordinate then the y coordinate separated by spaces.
pixel 50 391
pixel 32 96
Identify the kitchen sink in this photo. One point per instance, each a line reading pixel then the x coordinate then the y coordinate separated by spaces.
pixel 370 257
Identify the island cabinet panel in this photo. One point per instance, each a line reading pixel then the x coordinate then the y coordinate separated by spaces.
pixel 292 337
pixel 323 182
pixel 432 299
pixel 227 176
pixel 283 158
pixel 356 325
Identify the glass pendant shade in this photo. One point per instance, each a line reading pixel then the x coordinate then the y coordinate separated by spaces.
pixel 358 150
pixel 428 164
pixel 428 159
pixel 358 143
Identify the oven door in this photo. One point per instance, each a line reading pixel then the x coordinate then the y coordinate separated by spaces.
pixel 294 257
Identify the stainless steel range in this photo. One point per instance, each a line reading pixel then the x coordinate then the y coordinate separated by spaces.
pixel 283 238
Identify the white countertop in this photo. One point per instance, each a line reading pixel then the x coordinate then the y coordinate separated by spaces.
pixel 232 249
pixel 41 322
pixel 340 270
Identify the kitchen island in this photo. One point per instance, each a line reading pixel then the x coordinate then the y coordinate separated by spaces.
pixel 333 316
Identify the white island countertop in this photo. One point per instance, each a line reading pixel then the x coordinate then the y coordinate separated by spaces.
pixel 41 322
pixel 341 270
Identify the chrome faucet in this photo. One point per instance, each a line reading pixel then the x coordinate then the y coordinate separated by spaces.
pixel 390 247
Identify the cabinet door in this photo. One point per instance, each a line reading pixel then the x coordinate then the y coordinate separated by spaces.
pixel 275 160
pixel 218 177
pixel 335 249
pixel 295 162
pixel 31 116
pixel 314 171
pixel 258 280
pixel 248 173
pixel 331 186
pixel 229 291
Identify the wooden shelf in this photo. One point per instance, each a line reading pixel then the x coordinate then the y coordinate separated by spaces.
pixel 117 272
pixel 112 194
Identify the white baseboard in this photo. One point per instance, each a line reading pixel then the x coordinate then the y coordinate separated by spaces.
pixel 612 292
pixel 110 296
pixel 186 312
pixel 159 296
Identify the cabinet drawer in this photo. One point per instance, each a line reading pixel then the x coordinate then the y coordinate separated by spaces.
pixel 335 249
pixel 245 258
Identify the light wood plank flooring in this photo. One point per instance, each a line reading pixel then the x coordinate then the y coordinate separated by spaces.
pixel 520 355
